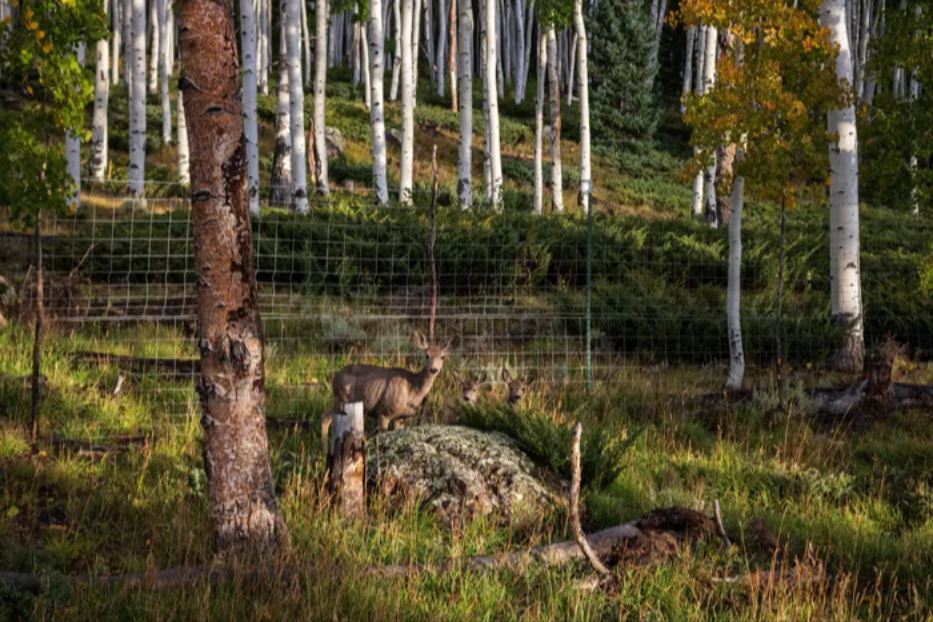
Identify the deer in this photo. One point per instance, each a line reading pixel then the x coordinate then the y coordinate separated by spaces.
pixel 389 394
pixel 516 388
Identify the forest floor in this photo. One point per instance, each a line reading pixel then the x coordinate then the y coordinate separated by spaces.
pixel 116 483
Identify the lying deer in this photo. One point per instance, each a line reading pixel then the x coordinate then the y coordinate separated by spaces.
pixel 390 394
pixel 472 396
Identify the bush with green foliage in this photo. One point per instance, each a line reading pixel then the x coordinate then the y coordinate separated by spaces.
pixel 549 442
pixel 622 98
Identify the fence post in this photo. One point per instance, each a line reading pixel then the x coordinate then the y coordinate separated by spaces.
pixel 585 188
pixel 346 461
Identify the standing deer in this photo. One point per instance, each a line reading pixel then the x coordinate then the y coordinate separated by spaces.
pixel 390 394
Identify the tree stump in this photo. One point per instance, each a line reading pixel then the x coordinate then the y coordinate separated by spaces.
pixel 346 461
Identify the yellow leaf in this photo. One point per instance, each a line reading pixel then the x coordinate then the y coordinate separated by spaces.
pixel 47 47
pixel 40 35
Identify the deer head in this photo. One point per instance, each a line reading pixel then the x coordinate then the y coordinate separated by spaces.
pixel 516 387
pixel 434 354
pixel 470 385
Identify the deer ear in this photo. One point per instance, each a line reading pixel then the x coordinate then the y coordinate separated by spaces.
pixel 506 376
pixel 420 340
pixel 483 377
pixel 453 342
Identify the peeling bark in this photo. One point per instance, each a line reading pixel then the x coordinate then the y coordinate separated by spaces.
pixel 231 385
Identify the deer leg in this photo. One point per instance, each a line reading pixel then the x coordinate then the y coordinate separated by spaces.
pixel 326 421
pixel 384 423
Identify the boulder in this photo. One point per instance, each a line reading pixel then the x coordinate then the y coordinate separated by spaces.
pixel 461 473
pixel 336 144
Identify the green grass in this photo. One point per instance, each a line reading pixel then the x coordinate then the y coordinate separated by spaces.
pixel 860 504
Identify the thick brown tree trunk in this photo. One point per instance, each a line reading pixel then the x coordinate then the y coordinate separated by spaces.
pixel 231 385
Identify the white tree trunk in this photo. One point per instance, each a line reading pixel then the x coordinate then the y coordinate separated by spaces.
pixel 483 33
pixel 154 51
pixel 281 183
pixel 519 52
pixel 914 95
pixel 452 55
pixel 181 152
pixel 734 287
pixel 697 203
pixel 429 40
pixel 137 166
pixel 248 49
pixel 296 104
pixel 492 103
pixel 97 150
pixel 709 80
pixel 658 31
pixel 73 149
pixel 397 52
pixel 321 21
pixel 497 36
pixel 465 86
pixel 586 175
pixel 529 20
pixel 570 68
pixel 263 46
pixel 859 88
pixel 557 183
pixel 415 48
pixel 539 124
pixel 116 14
pixel 845 277
pixel 164 53
pixel 127 36
pixel 440 58
pixel 377 101
pixel 408 107
pixel 367 73
pixel 305 40
pixel 688 68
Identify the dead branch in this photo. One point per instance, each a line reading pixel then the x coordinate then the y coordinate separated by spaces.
pixel 579 536
pixel 717 513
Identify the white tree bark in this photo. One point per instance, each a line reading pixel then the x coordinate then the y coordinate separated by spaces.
pixel 397 52
pixel 529 21
pixel 321 21
pixel 137 166
pixel 263 45
pixel 845 277
pixel 97 150
pixel 709 81
pixel 281 182
pixel 305 41
pixel 452 55
pixel 539 124
pixel 181 151
pixel 658 30
pixel 116 15
pixel 367 74
pixel 154 51
pixel 519 52
pixel 557 183
pixel 429 40
pixel 248 49
pixel 859 87
pixel 440 57
pixel 586 174
pixel 465 86
pixel 914 95
pixel 415 47
pixel 492 104
pixel 377 102
pixel 408 106
pixel 688 68
pixel 164 53
pixel 570 68
pixel 73 149
pixel 483 33
pixel 127 36
pixel 296 112
pixel 734 287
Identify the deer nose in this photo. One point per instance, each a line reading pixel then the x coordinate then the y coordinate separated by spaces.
pixel 434 370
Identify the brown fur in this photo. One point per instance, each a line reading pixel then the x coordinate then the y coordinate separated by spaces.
pixel 389 394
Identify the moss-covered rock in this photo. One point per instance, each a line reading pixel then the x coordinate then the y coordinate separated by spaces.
pixel 461 473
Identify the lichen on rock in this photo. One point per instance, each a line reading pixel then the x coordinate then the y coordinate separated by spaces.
pixel 461 473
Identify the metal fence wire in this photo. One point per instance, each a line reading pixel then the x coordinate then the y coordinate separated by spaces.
pixel 560 296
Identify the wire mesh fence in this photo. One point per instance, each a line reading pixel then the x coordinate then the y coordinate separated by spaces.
pixel 549 297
